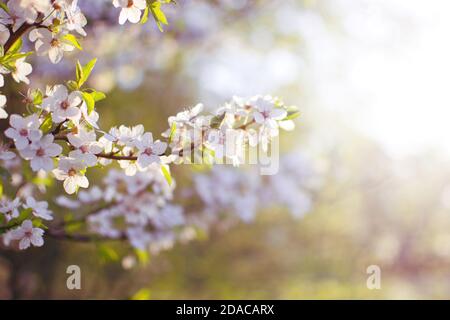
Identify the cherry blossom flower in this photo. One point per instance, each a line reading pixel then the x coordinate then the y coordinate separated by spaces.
pixel 75 18
pixel 138 237
pixel 234 146
pixel 4 33
pixel 72 172
pixel 91 118
pixel 102 224
pixel 3 113
pixel 130 166
pixel 63 105
pixel 149 151
pixel 138 198
pixel 27 235
pixel 39 208
pixel 14 16
pixel 107 146
pixel 86 146
pixel 23 130
pixel 268 116
pixel 9 208
pixel 7 238
pixel 131 10
pixel 50 43
pixel 266 113
pixel 5 153
pixel 216 140
pixel 41 153
pixel 29 9
pixel 186 117
pixel 170 216
pixel 125 136
pixel 231 110
pixel 21 70
pixel 65 202
pixel 92 195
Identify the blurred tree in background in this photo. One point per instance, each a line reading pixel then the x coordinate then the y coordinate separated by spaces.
pixel 371 207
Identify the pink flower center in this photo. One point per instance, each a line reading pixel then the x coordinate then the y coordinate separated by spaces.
pixel 84 148
pixel 28 233
pixel 40 152
pixel 72 172
pixel 64 104
pixel 23 132
pixel 130 3
pixel 148 151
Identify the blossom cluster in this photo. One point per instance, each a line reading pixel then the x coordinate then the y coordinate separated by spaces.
pixel 26 234
pixel 242 193
pixel 138 208
pixel 64 116
pixel 59 137
pixel 63 140
pixel 141 208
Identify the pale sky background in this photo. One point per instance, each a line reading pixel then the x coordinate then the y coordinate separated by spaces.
pixel 385 68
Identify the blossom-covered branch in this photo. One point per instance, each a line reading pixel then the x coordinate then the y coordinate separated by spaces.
pixel 59 137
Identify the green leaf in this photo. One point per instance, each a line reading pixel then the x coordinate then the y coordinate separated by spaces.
pixel 98 95
pixel 43 181
pixel 17 55
pixel 90 101
pixel 23 215
pixel 71 39
pixel 4 6
pixel 173 129
pixel 72 85
pixel 158 15
pixel 107 253
pixel 37 97
pixel 85 71
pixel 216 121
pixel 73 226
pixel 142 294
pixel 47 124
pixel 292 113
pixel 144 17
pixel 78 72
pixel 143 256
pixel 38 223
pixel 16 46
pixel 165 171
pixel 9 59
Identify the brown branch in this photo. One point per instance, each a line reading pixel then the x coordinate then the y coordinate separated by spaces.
pixel 114 157
pixel 19 33
pixel 58 128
